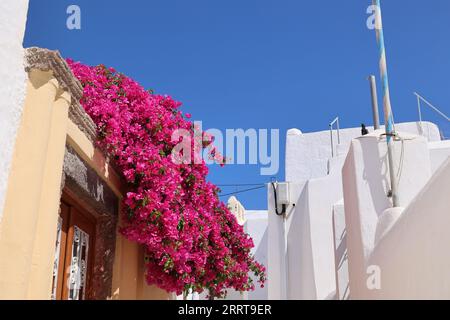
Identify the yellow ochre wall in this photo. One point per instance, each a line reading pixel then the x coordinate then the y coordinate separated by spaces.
pixel 28 227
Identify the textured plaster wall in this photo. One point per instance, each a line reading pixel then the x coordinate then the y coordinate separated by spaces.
pixel 41 271
pixel 12 82
pixel 29 185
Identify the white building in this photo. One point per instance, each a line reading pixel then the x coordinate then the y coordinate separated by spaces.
pixel 340 239
pixel 12 83
pixel 256 225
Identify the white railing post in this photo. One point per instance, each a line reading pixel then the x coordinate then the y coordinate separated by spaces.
pixel 332 123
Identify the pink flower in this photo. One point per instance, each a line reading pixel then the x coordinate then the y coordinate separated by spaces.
pixel 191 238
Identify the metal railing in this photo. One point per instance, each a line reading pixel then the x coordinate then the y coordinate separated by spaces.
pixel 419 109
pixel 331 125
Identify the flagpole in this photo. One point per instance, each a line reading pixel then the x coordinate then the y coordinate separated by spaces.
pixel 388 116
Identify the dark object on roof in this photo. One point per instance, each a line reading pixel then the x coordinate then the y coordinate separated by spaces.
pixel 364 130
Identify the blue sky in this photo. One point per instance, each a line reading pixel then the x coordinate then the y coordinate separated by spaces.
pixel 260 63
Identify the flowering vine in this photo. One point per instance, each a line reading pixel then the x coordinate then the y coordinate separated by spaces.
pixel 192 240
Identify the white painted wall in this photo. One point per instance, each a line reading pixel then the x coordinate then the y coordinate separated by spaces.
pixel 310 239
pixel 413 256
pixel 309 254
pixel 276 268
pixel 366 183
pixel 439 153
pixel 256 225
pixel 316 188
pixel 290 275
pixel 13 15
pixel 340 249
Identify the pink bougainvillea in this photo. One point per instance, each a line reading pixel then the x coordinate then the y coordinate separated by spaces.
pixel 191 238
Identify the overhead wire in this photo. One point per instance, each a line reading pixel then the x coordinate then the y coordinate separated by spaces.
pixel 240 184
pixel 242 191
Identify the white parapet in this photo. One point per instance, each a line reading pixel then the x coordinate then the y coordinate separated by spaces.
pixel 308 154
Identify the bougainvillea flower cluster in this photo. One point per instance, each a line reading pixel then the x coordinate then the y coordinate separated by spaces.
pixel 192 240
